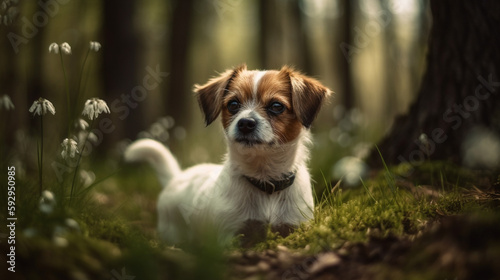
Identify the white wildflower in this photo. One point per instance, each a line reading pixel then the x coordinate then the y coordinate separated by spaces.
pixel 60 241
pixel 70 148
pixel 6 102
pixel 95 46
pixel 92 137
pixel 65 48
pixel 84 136
pixel 87 178
pixel 423 138
pixel 54 48
pixel 94 107
pixel 47 202
pixel 41 106
pixel 72 224
pixel 82 124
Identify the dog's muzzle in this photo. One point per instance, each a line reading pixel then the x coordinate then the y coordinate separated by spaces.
pixel 247 132
pixel 247 125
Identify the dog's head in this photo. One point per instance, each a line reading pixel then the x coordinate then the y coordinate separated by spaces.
pixel 262 107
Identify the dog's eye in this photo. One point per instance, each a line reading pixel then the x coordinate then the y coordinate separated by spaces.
pixel 276 108
pixel 233 106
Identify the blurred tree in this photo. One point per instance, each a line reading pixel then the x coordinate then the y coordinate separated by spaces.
pixel 298 28
pixel 120 65
pixel 8 84
pixel 345 75
pixel 459 90
pixel 269 33
pixel 391 78
pixel 179 93
pixel 284 36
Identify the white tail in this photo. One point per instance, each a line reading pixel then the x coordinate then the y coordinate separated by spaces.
pixel 157 155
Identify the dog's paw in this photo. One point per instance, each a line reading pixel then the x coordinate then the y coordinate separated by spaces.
pixel 252 232
pixel 283 229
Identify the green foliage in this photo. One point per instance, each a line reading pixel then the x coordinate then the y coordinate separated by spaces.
pixel 384 206
pixel 120 231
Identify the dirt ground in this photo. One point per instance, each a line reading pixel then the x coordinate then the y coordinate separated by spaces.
pixel 451 247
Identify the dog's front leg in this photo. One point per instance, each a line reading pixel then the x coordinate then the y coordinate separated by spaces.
pixel 283 229
pixel 253 231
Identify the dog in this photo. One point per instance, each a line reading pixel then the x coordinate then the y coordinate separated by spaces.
pixel 264 180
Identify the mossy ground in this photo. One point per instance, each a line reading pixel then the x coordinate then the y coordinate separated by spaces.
pixel 440 222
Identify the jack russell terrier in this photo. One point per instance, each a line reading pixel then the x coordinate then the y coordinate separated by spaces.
pixel 264 180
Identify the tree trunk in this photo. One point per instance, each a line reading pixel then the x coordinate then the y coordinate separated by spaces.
pixel 460 90
pixel 268 30
pixel 179 94
pixel 120 67
pixel 300 39
pixel 347 91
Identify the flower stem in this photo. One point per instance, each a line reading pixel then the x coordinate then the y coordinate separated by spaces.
pixel 78 161
pixel 67 94
pixel 40 157
pixel 80 81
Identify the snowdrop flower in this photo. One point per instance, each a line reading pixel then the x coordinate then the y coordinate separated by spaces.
pixel 82 124
pixel 95 46
pixel 6 102
pixel 60 241
pixel 89 136
pixel 94 107
pixel 87 178
pixel 65 48
pixel 41 106
pixel 54 48
pixel 70 148
pixel 72 224
pixel 58 236
pixel 424 139
pixel 47 202
pixel 92 137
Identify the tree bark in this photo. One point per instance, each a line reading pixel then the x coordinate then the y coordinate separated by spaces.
pixel 347 91
pixel 459 90
pixel 297 27
pixel 120 66
pixel 268 30
pixel 179 93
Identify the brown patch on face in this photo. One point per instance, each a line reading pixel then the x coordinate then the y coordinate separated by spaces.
pixel 275 87
pixel 307 95
pixel 211 94
pixel 300 95
pixel 240 90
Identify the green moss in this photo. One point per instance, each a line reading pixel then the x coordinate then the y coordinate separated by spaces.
pixel 121 232
pixel 379 210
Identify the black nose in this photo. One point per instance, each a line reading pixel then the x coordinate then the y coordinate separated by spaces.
pixel 246 125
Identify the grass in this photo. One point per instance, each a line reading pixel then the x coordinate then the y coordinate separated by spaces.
pixel 118 224
pixel 355 215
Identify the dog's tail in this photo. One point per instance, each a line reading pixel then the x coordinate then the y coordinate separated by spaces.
pixel 157 155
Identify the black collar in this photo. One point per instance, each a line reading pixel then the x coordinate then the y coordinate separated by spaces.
pixel 271 186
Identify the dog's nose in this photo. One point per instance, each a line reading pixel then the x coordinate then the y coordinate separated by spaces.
pixel 247 125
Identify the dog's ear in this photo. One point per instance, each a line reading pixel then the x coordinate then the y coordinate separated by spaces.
pixel 307 95
pixel 211 94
